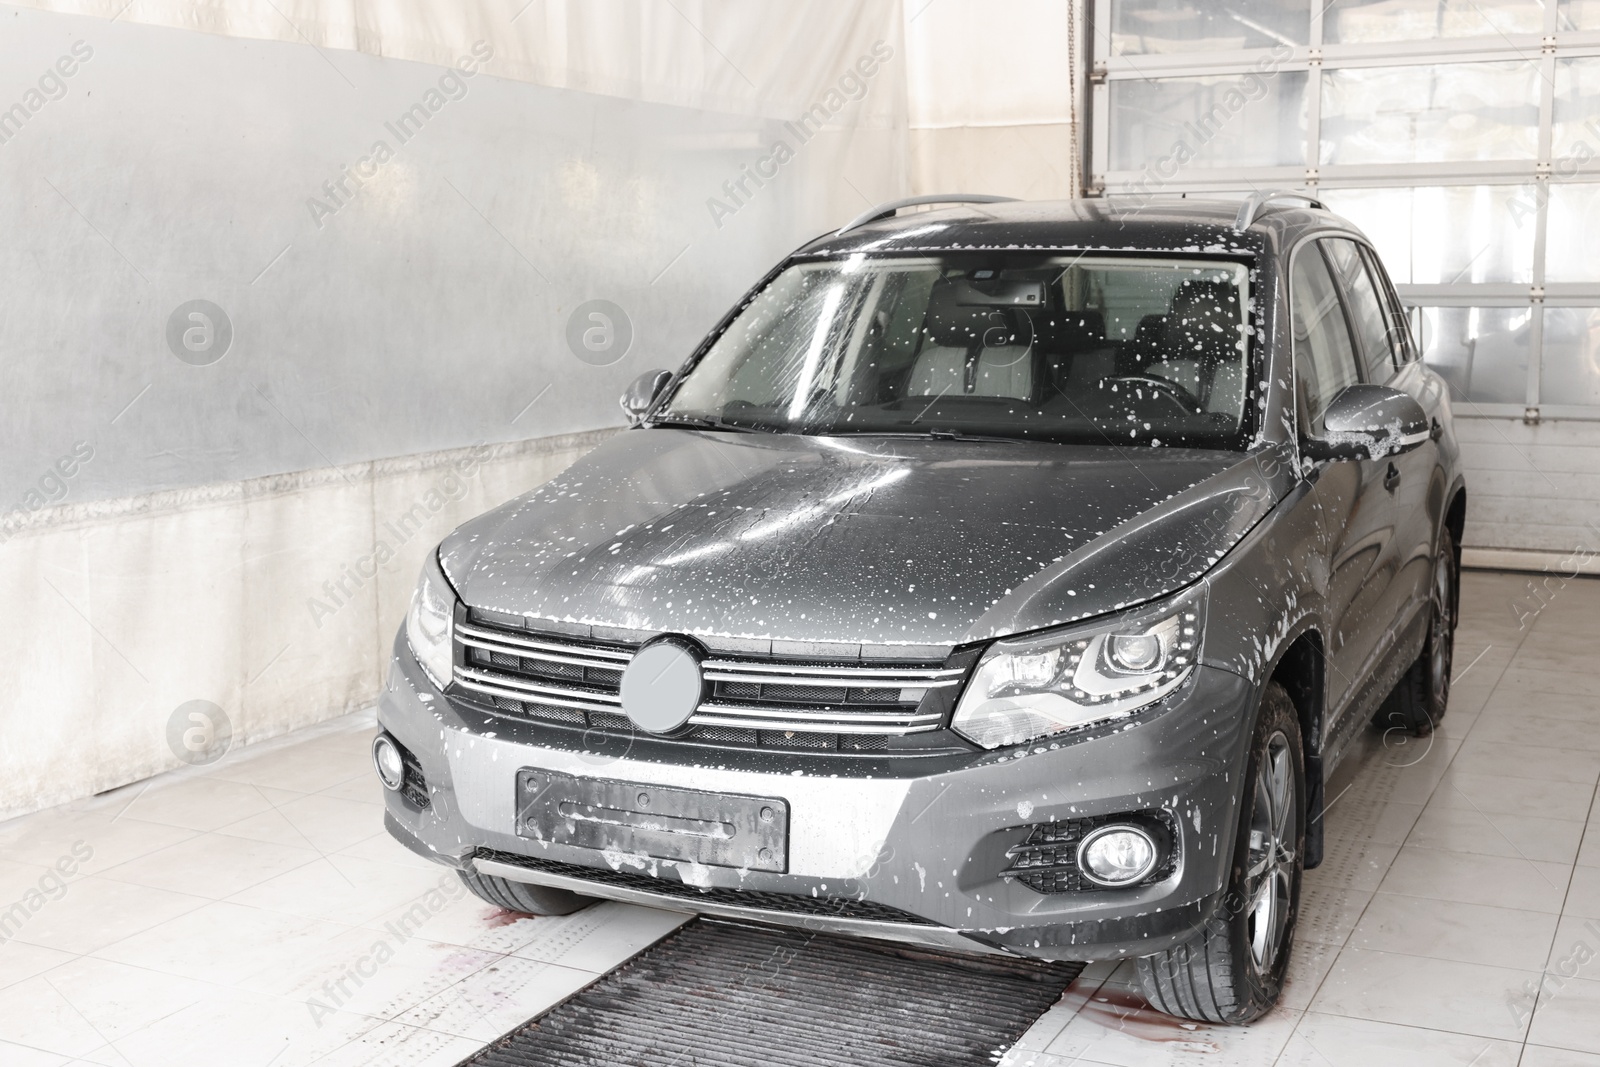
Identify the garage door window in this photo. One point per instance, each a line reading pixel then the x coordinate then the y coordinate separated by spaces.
pixel 1460 135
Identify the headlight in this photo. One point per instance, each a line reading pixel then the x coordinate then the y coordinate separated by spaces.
pixel 1031 687
pixel 430 620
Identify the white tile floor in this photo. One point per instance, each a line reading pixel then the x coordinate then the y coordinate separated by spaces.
pixel 254 913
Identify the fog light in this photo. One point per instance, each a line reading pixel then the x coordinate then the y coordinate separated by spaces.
pixel 386 757
pixel 1117 855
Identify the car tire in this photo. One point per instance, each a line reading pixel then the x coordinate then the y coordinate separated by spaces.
pixel 1420 698
pixel 1231 971
pixel 523 897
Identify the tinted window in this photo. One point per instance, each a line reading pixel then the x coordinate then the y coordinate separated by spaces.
pixel 1367 310
pixel 1092 348
pixel 1405 348
pixel 1324 358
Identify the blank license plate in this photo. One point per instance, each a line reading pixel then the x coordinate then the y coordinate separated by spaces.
pixel 716 829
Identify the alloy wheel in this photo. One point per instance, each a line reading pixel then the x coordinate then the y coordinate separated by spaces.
pixel 1269 882
pixel 1441 632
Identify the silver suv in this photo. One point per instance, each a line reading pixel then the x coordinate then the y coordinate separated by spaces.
pixel 1008 577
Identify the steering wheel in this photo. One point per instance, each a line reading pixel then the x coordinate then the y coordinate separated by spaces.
pixel 1170 389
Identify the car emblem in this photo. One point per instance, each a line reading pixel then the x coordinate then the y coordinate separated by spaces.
pixel 662 685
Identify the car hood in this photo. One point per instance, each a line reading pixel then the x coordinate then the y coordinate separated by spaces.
pixel 883 541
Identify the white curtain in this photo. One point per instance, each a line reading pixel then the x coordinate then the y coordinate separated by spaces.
pixel 766 59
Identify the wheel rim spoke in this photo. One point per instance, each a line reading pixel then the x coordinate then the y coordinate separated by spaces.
pixel 1280 798
pixel 1280 915
pixel 1263 921
pixel 1259 869
pixel 1265 821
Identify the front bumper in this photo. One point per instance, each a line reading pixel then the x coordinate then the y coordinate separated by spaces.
pixel 922 835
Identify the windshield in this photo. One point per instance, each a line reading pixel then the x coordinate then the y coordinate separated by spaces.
pixel 1083 348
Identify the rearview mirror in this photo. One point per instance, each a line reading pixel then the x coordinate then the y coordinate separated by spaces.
pixel 1368 422
pixel 642 393
pixel 998 293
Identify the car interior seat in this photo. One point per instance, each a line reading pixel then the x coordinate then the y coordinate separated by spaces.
pixel 973 351
pixel 1086 355
pixel 1145 347
pixel 1201 350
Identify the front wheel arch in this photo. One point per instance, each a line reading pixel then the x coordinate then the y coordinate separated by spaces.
pixel 1299 668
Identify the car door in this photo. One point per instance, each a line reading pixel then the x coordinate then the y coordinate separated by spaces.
pixel 1405 477
pixel 1422 491
pixel 1356 509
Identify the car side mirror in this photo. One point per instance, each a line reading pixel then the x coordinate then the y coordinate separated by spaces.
pixel 1368 422
pixel 642 393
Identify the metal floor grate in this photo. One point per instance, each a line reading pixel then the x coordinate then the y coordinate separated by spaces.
pixel 722 994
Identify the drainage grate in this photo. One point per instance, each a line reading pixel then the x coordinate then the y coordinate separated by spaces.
pixel 722 994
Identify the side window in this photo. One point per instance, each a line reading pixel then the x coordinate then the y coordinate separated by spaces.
pixel 1367 309
pixel 1324 358
pixel 1405 348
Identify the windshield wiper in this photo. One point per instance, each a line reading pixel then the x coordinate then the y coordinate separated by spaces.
pixel 936 435
pixel 702 424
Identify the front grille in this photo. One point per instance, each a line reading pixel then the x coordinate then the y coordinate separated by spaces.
pixel 793 904
pixel 1047 861
pixel 758 702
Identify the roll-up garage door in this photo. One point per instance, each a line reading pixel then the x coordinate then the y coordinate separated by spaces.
pixel 1464 137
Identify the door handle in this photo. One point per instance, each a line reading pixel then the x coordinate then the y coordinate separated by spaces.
pixel 1391 477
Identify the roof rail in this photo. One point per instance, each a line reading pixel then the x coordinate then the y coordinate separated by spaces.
pixel 1253 206
pixel 883 211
